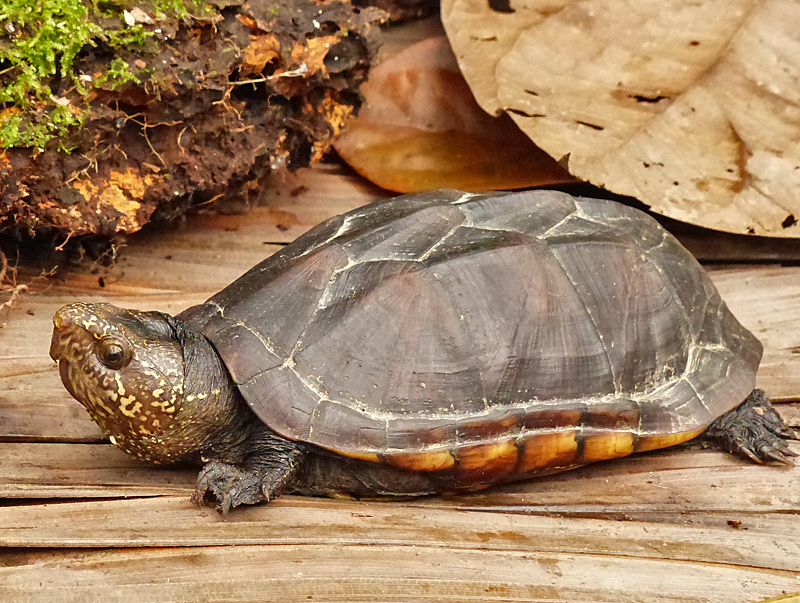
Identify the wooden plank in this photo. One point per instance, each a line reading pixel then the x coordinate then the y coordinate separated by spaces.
pixel 45 413
pixel 549 539
pixel 378 573
pixel 174 521
pixel 767 301
pixel 302 200
pixel 674 481
pixel 39 470
pixel 790 413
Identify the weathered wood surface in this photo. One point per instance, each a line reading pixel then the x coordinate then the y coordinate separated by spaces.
pixel 377 572
pixel 171 521
pixel 81 521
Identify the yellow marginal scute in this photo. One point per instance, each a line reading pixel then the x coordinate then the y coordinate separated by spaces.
pixel 665 440
pixel 549 449
pixel 609 445
pixel 362 456
pixel 494 456
pixel 422 461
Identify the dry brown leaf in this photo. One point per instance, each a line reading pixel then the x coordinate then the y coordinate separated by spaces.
pixel 421 129
pixel 313 52
pixel 262 50
pixel 692 106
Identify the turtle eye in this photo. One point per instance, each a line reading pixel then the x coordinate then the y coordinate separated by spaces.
pixel 113 353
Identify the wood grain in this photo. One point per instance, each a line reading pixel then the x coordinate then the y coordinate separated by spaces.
pixel 673 480
pixel 42 470
pixel 379 573
pixel 676 525
pixel 175 522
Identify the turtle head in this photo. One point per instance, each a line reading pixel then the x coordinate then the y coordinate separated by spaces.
pixel 127 369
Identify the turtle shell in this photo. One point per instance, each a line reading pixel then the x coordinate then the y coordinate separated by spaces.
pixel 492 336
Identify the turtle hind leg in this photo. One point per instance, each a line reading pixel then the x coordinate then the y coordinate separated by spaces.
pixel 755 431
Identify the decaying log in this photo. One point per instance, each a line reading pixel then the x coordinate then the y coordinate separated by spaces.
pixel 198 106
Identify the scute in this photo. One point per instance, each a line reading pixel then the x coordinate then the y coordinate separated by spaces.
pixel 408 317
pixel 406 238
pixel 485 337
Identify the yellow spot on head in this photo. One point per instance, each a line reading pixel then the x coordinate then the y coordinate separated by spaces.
pixel 120 387
pixel 129 412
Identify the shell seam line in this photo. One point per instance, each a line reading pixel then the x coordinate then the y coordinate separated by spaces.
pixel 432 248
pixel 591 318
pixel 546 233
pixel 238 323
pixel 664 237
pixel 466 198
pixel 290 362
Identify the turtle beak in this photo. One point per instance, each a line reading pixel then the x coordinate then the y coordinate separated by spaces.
pixel 69 329
pixel 60 347
pixel 55 345
pixel 59 341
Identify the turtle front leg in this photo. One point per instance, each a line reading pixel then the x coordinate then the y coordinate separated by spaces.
pixel 270 465
pixel 754 430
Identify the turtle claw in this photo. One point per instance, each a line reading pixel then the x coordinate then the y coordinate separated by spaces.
pixel 781 456
pixel 746 452
pixel 229 486
pixel 755 431
pixel 779 453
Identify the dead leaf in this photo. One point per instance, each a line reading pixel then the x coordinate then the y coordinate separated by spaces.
pixel 421 129
pixel 262 50
pixel 692 107
pixel 313 52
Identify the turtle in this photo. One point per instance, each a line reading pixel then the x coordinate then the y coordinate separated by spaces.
pixel 432 343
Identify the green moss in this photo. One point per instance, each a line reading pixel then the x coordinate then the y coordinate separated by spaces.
pixel 117 75
pixel 10 129
pixel 40 43
pixel 136 34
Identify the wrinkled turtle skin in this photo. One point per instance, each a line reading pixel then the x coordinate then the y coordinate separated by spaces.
pixel 429 343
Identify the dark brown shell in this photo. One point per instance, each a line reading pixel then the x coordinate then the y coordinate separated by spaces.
pixel 491 335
